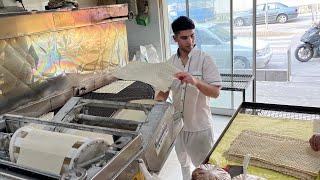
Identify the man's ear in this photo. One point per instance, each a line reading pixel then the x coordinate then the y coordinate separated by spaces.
pixel 174 38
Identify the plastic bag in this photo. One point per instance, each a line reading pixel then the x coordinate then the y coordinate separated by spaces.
pixel 147 53
pixel 145 172
pixel 210 172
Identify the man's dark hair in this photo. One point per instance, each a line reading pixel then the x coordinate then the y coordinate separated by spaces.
pixel 182 23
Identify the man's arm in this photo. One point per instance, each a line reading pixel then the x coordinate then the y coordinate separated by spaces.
pixel 162 96
pixel 205 88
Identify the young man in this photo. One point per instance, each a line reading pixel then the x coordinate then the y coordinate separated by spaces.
pixel 315 142
pixel 200 79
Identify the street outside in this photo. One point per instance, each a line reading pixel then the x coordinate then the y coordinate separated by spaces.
pixel 303 87
pixel 284 37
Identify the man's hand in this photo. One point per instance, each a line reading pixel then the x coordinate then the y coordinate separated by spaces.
pixel 315 142
pixel 185 77
pixel 205 88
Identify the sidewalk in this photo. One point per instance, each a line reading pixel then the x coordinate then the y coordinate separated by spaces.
pixel 289 93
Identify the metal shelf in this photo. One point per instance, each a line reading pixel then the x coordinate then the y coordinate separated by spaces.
pixel 236 82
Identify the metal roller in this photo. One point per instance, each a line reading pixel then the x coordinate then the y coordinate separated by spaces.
pixel 53 152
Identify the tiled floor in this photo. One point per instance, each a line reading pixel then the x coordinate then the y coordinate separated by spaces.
pixel 171 169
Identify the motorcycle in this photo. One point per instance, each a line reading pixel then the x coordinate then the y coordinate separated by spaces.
pixel 310 46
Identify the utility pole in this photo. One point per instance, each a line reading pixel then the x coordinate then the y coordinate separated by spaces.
pixel 266 18
pixel 187 8
pixel 254 50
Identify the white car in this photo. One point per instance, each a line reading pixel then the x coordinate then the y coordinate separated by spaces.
pixel 215 41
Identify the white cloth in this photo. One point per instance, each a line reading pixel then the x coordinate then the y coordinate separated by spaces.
pixel 197 113
pixel 193 147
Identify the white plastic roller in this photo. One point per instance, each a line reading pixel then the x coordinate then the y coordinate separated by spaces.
pixel 52 152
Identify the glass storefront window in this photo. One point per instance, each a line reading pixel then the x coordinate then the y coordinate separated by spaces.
pixel 213 36
pixel 242 44
pixel 176 8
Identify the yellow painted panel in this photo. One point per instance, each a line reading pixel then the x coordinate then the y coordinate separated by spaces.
pixel 82 17
pixel 25 24
pixel 63 20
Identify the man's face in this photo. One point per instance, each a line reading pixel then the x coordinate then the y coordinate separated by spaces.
pixel 185 40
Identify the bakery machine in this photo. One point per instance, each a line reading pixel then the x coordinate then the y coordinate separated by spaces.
pixel 95 135
pixel 104 144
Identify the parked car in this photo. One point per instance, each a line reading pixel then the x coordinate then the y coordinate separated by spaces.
pixel 199 11
pixel 277 13
pixel 215 40
pixel 196 14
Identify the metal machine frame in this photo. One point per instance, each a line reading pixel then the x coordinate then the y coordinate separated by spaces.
pixel 151 140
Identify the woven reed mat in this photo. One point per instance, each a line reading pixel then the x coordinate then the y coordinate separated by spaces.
pixel 284 154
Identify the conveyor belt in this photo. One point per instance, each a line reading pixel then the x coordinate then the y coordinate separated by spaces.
pixel 137 90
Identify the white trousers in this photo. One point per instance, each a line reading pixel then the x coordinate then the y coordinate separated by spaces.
pixel 193 147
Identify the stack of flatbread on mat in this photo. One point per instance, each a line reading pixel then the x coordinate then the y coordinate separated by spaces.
pixel 283 154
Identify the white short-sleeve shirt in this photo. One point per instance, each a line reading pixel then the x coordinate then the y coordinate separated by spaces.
pixel 196 108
